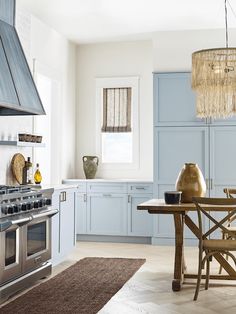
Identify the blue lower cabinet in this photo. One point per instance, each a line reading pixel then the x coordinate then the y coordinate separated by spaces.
pixel 111 209
pixel 107 214
pixel 63 224
pixel 140 223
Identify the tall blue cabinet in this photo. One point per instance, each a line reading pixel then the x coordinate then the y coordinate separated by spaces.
pixel 180 137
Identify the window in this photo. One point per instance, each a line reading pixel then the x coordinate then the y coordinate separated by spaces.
pixel 117 118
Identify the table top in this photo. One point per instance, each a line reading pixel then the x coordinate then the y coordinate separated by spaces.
pixel 158 206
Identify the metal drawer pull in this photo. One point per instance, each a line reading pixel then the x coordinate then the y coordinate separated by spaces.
pixel 107 195
pixel 140 188
pixel 63 196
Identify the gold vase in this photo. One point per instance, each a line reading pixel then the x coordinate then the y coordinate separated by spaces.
pixel 191 182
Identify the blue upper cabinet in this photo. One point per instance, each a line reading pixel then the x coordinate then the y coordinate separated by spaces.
pixel 174 100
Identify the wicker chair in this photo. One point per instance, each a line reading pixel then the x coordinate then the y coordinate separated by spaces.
pixel 210 247
pixel 230 193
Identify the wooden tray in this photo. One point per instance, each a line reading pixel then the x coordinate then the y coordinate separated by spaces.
pixel 17 165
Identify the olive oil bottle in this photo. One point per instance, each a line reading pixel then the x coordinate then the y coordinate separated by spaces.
pixel 37 175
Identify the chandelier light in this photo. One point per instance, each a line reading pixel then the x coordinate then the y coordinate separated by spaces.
pixel 214 80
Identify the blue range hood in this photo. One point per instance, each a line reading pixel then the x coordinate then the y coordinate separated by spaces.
pixel 18 92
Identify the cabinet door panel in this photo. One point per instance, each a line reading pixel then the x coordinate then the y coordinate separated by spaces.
pixel 174 100
pixel 140 223
pixel 107 214
pixel 222 166
pixel 81 206
pixel 223 152
pixel 174 147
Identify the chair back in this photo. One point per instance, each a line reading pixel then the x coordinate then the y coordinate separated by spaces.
pixel 207 207
pixel 230 193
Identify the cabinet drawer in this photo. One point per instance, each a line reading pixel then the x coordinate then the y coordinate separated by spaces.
pixel 107 188
pixel 140 187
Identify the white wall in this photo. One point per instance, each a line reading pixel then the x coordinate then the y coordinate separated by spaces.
pixel 172 51
pixel 114 60
pixel 54 51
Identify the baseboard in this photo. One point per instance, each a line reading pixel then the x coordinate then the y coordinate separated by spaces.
pixel 116 239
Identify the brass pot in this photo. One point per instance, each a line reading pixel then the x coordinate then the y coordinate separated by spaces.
pixel 191 182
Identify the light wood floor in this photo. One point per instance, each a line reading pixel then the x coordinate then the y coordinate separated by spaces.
pixel 149 290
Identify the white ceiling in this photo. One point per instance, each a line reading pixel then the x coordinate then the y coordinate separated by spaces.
pixel 88 21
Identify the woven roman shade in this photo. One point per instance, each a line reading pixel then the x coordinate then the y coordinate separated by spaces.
pixel 117 110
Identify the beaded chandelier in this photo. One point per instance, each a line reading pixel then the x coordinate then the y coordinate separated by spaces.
pixel 214 80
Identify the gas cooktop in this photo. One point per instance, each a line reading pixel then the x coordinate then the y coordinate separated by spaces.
pixel 22 198
pixel 8 189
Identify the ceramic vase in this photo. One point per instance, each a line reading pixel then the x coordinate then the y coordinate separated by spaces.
pixel 90 165
pixel 190 182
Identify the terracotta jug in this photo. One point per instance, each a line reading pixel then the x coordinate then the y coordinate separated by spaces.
pixel 191 182
pixel 90 165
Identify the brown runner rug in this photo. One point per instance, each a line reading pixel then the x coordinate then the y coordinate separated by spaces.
pixel 85 287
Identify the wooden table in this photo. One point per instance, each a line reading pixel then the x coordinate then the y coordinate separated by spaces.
pixel 180 213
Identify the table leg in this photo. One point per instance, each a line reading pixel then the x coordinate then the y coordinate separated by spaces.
pixel 179 259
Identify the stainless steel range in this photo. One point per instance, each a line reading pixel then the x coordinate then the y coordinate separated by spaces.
pixel 25 237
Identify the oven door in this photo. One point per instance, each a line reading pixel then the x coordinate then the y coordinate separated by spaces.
pixel 11 235
pixel 37 240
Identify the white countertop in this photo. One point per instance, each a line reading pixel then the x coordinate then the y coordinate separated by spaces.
pixel 56 186
pixel 76 181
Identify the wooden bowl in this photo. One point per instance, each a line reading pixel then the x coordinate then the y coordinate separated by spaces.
pixel 17 165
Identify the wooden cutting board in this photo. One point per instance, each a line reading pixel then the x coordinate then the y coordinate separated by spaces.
pixel 17 165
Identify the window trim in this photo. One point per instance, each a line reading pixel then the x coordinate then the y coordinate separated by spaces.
pixel 113 82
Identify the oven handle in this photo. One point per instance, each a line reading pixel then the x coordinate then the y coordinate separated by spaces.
pixel 48 214
pixel 4 225
pixel 21 221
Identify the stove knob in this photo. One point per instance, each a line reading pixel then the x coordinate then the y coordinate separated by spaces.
pixel 28 207
pixel 40 203
pixel 31 205
pixel 43 202
pixel 48 201
pixel 4 210
pixel 19 207
pixel 16 208
pixel 36 204
pixel 24 207
pixel 10 209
